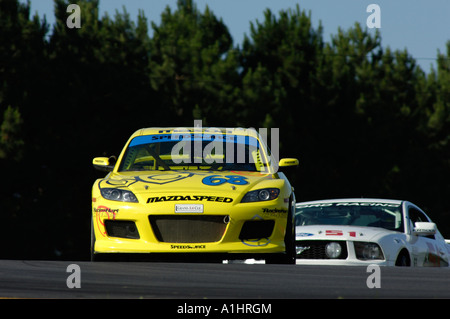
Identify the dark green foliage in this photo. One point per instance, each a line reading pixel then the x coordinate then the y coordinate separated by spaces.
pixel 193 67
pixel 363 120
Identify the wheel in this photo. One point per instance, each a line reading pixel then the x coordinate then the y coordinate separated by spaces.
pixel 93 257
pixel 403 259
pixel 289 240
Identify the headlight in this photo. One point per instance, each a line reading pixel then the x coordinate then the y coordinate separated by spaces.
pixel 368 251
pixel 333 250
pixel 261 195
pixel 118 195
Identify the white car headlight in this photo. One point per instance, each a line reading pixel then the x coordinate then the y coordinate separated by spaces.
pixel 368 251
pixel 119 195
pixel 261 195
pixel 333 250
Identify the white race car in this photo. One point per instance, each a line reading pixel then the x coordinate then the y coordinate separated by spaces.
pixel 368 231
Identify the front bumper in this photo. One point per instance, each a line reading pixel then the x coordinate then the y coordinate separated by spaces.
pixel 231 229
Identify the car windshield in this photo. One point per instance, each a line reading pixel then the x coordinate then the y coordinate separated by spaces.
pixel 194 151
pixel 383 215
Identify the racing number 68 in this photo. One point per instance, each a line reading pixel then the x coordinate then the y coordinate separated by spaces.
pixel 216 180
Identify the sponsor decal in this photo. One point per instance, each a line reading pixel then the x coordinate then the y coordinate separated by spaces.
pixel 318 205
pixel 189 198
pixel 188 208
pixel 368 204
pixel 102 212
pixel 304 234
pixel 187 246
pixel 334 233
pixel 330 233
pixel 104 209
pixel 274 210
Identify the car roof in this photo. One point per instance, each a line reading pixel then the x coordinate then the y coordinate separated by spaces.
pixel 353 200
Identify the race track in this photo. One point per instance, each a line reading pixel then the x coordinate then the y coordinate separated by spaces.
pixel 48 279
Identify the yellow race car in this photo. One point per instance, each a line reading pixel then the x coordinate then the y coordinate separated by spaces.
pixel 190 192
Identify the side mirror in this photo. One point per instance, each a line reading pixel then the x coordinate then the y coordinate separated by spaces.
pixel 424 229
pixel 288 162
pixel 104 164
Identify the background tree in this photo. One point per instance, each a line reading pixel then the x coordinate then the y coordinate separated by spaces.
pixel 193 66
pixel 22 55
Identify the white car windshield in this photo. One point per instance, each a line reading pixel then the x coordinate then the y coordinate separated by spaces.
pixel 163 152
pixel 384 215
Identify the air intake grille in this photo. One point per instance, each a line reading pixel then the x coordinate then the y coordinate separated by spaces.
pixel 121 228
pixel 256 229
pixel 188 228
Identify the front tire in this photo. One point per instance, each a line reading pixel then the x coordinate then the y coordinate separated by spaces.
pixel 403 259
pixel 289 240
pixel 92 251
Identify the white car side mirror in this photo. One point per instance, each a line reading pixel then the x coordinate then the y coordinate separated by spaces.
pixel 424 229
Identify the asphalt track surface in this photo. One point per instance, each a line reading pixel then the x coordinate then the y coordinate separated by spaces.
pixel 187 281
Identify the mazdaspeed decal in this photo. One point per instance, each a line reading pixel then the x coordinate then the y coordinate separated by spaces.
pixel 189 198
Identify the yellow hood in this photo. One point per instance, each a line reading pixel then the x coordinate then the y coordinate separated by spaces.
pixel 195 182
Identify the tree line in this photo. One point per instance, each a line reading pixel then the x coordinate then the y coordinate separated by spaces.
pixel 364 120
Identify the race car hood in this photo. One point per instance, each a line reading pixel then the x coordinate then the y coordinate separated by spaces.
pixel 328 232
pixel 198 182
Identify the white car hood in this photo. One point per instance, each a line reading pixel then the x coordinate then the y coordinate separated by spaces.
pixel 330 232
